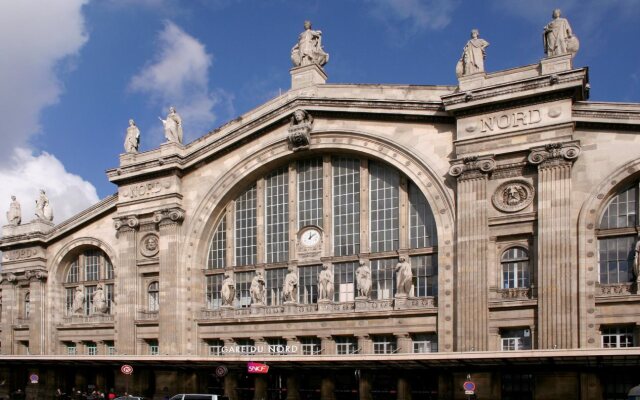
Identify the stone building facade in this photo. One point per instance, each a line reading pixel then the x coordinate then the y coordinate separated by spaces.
pixel 512 197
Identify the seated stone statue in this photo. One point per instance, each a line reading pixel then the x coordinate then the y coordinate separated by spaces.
pixel 309 49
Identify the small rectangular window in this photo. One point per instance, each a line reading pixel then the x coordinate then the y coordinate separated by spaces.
pixel 514 339
pixel 617 336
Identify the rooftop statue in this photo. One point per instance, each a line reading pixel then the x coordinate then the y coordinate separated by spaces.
pixel 558 39
pixel 43 208
pixel 172 126
pixel 14 215
pixel 309 49
pixel 473 55
pixel 132 140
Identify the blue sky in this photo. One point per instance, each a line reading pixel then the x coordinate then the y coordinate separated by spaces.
pixel 75 71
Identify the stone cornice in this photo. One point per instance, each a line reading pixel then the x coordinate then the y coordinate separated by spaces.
pixel 472 167
pixel 554 154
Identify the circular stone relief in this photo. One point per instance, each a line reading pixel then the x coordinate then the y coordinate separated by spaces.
pixel 513 196
pixel 149 245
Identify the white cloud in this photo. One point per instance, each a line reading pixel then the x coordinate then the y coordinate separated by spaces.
pixel 179 76
pixel 39 41
pixel 407 17
pixel 27 174
pixel 37 37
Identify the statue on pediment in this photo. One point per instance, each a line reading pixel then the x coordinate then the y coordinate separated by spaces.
pixel 558 38
pixel 14 215
pixel 43 207
pixel 473 55
pixel 309 49
pixel 172 126
pixel 132 140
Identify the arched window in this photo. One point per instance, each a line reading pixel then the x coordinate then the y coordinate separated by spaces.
pixel 86 271
pixel 153 294
pixel 617 237
pixel 27 305
pixel 515 268
pixel 338 199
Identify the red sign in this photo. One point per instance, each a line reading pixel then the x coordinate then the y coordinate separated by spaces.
pixel 126 369
pixel 469 386
pixel 257 368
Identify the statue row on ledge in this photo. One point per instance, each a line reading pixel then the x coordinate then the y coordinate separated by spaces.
pixel 44 211
pixel 172 131
pixel 557 38
pixel 325 285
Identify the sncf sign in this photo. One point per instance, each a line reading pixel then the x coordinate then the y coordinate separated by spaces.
pixel 257 368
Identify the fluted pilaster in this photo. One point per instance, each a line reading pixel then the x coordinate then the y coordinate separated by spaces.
pixel 472 312
pixel 37 325
pixel 126 287
pixel 557 274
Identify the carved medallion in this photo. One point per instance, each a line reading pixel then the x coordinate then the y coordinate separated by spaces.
pixel 513 196
pixel 149 245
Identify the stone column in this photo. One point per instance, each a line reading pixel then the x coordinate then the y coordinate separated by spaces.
pixel 327 388
pixel 172 303
pixel 126 285
pixel 37 333
pixel 9 312
pixel 260 387
pixel 404 389
pixel 230 385
pixel 364 386
pixel 293 388
pixel 471 292
pixel 557 272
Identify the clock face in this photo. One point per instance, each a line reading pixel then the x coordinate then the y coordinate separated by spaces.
pixel 310 237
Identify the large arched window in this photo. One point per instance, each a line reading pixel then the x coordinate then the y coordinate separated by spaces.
pixel 617 236
pixel 515 268
pixel 86 271
pixel 360 208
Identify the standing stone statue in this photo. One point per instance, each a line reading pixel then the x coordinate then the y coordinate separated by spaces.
pixel 99 300
pixel 290 287
pixel 404 278
pixel 228 290
pixel 309 49
pixel 132 140
pixel 78 300
pixel 257 290
pixel 473 55
pixel 325 283
pixel 363 279
pixel 636 261
pixel 172 126
pixel 43 208
pixel 557 37
pixel 14 215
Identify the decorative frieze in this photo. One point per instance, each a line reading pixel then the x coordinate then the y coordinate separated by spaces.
pixel 20 254
pixel 515 293
pixel 620 289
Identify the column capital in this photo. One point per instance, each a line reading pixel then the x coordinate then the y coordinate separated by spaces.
pixel 554 153
pixel 169 216
pixel 472 166
pixel 9 277
pixel 126 224
pixel 36 275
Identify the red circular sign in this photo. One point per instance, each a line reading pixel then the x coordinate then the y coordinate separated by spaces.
pixel 468 385
pixel 126 369
pixel 221 371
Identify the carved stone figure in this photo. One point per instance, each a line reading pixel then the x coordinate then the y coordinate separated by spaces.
pixel 43 208
pixel 228 290
pixel 78 300
pixel 325 283
pixel 258 290
pixel 557 37
pixel 99 300
pixel 132 140
pixel 473 55
pixel 309 49
pixel 172 126
pixel 290 287
pixel 363 279
pixel 404 278
pixel 636 261
pixel 14 215
pixel 300 130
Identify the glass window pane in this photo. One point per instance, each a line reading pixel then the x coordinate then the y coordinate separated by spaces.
pixel 310 192
pixel 245 229
pixel 277 215
pixel 346 192
pixel 218 246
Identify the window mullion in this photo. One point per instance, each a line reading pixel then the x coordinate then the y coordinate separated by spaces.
pixel 260 221
pixel 327 204
pixel 231 224
pixel 293 210
pixel 365 208
pixel 403 203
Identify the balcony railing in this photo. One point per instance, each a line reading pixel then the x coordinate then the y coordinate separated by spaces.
pixel 87 319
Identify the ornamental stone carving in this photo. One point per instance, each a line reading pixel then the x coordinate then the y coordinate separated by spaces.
pixel 309 49
pixel 404 278
pixel 554 153
pixel 172 126
pixel 173 215
pixel 513 196
pixel 325 283
pixel 472 166
pixel 43 207
pixel 149 245
pixel 9 277
pixel 473 55
pixel 558 38
pixel 300 130
pixel 636 261
pixel 132 139
pixel 14 215
pixel 37 274
pixel 290 287
pixel 258 290
pixel 363 279
pixel 121 224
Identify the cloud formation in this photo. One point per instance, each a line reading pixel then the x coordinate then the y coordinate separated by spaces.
pixel 27 174
pixel 40 44
pixel 408 17
pixel 178 75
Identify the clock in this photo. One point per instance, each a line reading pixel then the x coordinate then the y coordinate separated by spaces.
pixel 310 237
